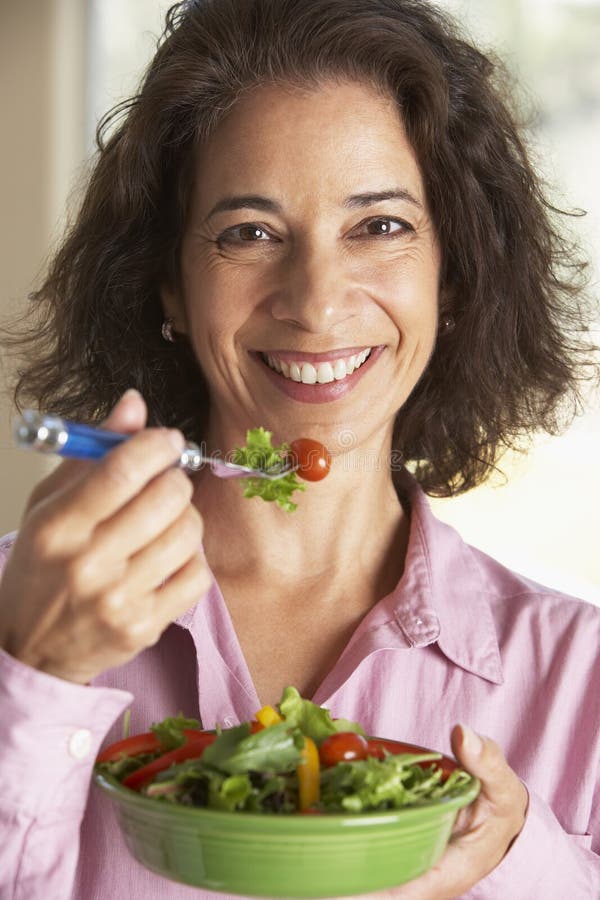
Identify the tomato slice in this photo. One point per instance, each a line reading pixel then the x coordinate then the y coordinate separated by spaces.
pixel 312 458
pixel 131 746
pixel 378 747
pixel 343 747
pixel 193 748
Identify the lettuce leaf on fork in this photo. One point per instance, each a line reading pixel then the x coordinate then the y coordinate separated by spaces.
pixel 259 453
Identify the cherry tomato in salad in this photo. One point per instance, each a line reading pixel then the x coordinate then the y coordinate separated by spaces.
pixel 343 747
pixel 312 458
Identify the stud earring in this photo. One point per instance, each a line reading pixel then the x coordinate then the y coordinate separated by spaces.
pixel 167 330
pixel 447 324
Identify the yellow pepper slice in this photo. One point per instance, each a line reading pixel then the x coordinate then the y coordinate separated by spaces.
pixel 308 776
pixel 268 716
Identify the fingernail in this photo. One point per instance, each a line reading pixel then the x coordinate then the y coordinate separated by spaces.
pixel 130 392
pixel 471 741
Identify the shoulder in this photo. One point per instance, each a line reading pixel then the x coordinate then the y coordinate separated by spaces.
pixel 518 601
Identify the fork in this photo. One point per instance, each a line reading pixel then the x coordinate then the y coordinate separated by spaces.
pixel 47 433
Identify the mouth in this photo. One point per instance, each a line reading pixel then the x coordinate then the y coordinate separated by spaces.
pixel 317 377
pixel 316 371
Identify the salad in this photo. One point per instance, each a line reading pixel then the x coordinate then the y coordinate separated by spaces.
pixel 310 457
pixel 290 759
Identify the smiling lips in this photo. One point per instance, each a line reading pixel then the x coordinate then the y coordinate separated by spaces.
pixel 316 372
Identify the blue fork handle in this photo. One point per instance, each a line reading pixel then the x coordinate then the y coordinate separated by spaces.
pixel 51 434
pixel 86 442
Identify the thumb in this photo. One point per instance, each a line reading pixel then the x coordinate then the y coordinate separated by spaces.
pixel 482 757
pixel 129 414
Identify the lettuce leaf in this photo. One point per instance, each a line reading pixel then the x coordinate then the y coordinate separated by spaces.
pixel 274 749
pixel 390 783
pixel 259 453
pixel 170 731
pixel 312 720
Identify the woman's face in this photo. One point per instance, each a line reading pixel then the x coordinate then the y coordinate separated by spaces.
pixel 310 266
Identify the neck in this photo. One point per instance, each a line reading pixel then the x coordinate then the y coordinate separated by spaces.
pixel 349 525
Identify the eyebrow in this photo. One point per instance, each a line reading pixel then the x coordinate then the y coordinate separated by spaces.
pixel 245 201
pixel 355 201
pixel 361 200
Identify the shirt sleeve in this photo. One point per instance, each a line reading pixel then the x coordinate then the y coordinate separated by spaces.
pixel 50 734
pixel 544 861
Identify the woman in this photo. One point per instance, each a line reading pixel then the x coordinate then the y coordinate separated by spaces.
pixel 300 183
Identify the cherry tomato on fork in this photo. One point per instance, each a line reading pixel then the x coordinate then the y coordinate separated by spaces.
pixel 312 458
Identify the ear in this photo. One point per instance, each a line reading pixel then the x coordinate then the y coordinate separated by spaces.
pixel 174 308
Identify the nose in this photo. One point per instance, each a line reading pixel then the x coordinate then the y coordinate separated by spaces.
pixel 316 291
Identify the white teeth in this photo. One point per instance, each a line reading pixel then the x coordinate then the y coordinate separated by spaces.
pixel 322 373
pixel 339 370
pixel 309 374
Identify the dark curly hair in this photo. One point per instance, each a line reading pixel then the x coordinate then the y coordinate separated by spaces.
pixel 514 362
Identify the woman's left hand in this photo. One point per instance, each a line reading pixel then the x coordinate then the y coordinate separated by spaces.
pixel 483 831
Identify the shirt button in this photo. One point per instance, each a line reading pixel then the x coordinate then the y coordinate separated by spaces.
pixel 80 743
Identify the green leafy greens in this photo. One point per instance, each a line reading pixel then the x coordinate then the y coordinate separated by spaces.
pixel 388 783
pixel 170 731
pixel 259 453
pixel 274 749
pixel 312 720
pixel 257 770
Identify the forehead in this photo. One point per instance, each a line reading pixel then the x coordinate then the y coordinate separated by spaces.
pixel 331 138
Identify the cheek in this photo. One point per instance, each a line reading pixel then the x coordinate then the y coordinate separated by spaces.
pixel 409 295
pixel 210 304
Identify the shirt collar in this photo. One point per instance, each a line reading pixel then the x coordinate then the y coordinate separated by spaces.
pixel 442 595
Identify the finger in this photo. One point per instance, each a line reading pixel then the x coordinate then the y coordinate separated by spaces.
pixel 143 519
pixel 66 524
pixel 157 563
pixel 483 758
pixel 116 480
pixel 458 870
pixel 157 610
pixel 127 416
pixel 184 589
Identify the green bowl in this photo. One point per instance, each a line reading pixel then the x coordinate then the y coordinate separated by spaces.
pixel 291 855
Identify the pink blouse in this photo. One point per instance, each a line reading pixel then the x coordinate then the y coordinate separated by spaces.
pixel 460 639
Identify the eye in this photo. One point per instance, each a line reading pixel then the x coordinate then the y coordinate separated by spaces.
pixel 383 226
pixel 248 233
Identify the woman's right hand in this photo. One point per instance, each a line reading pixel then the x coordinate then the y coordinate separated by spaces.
pixel 108 554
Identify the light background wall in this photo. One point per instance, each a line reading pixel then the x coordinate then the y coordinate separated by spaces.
pixel 42 152
pixel 64 62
